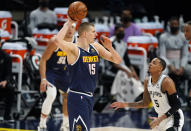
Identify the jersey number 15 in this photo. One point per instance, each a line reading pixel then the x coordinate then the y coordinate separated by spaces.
pixel 92 68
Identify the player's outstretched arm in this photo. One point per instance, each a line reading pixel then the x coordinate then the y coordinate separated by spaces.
pixel 45 56
pixel 110 54
pixel 141 104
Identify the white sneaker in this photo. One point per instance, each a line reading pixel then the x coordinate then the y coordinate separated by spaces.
pixel 41 128
pixel 65 126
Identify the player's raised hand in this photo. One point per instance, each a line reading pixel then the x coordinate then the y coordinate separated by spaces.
pixel 117 105
pixel 43 85
pixel 71 20
pixel 106 42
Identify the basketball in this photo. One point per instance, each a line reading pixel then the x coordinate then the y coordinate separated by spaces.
pixel 77 10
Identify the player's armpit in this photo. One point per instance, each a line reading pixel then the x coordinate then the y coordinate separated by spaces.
pixel 73 55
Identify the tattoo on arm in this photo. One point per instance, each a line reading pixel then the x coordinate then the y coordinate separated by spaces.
pixel 139 104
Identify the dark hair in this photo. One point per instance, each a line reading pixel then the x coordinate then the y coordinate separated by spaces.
pixel 126 8
pixel 189 23
pixel 162 62
pixel 174 18
pixel 117 26
pixel 43 0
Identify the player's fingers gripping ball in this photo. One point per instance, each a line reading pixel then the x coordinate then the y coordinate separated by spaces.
pixel 77 10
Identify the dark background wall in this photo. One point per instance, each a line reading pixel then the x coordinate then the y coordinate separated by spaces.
pixel 163 8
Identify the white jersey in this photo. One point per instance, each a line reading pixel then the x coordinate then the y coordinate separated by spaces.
pixel 159 99
pixel 162 105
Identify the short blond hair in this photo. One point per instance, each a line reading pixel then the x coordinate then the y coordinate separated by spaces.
pixel 84 27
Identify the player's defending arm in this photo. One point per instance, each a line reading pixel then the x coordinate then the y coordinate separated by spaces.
pixel 169 87
pixel 46 55
pixel 140 104
pixel 109 54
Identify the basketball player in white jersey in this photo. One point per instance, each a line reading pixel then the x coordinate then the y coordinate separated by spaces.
pixel 160 89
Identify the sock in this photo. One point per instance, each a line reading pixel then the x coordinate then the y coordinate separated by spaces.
pixel 65 120
pixel 63 116
pixel 43 122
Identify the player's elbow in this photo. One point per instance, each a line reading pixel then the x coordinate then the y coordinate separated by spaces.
pixel 52 40
pixel 118 61
pixel 56 41
pixel 146 105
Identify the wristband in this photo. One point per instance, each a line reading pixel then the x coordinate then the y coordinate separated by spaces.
pixel 43 79
pixel 168 114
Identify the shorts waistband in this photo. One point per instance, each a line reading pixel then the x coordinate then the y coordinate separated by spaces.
pixel 90 94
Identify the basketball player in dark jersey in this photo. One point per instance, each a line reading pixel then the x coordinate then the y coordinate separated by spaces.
pixel 54 74
pixel 83 60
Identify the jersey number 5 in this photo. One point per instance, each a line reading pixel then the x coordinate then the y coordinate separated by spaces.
pixel 92 69
pixel 156 103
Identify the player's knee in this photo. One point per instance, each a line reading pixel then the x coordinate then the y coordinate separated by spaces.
pixel 51 93
pixel 172 129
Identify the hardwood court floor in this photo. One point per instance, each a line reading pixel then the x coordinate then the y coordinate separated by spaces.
pixel 92 129
pixel 132 120
pixel 117 129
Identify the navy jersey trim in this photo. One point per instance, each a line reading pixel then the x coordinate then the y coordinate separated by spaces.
pixel 95 49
